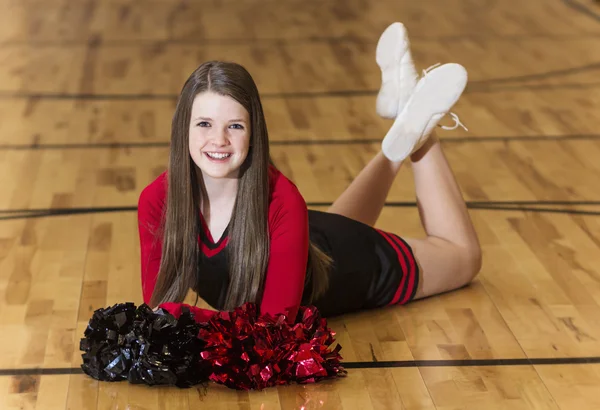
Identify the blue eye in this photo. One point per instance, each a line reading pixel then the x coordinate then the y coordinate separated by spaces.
pixel 238 126
pixel 203 124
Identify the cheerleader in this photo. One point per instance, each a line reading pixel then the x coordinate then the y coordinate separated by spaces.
pixel 226 223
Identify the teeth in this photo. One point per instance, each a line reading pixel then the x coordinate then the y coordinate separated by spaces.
pixel 218 155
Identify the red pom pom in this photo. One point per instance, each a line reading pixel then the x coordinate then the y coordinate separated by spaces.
pixel 247 351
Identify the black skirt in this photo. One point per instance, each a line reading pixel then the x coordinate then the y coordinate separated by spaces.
pixel 371 268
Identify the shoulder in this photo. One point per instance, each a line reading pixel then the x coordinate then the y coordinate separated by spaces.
pixel 285 199
pixel 282 189
pixel 153 197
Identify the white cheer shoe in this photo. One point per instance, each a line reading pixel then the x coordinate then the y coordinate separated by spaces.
pixel 398 74
pixel 432 98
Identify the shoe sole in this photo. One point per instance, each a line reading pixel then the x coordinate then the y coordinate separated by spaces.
pixel 433 97
pixel 391 47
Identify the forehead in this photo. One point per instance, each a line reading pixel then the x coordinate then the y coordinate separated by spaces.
pixel 216 106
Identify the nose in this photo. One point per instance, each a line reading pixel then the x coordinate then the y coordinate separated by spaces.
pixel 218 137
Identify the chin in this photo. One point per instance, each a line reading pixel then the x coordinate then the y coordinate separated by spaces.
pixel 217 175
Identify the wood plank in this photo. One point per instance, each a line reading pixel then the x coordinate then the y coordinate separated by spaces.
pixel 284 68
pixel 572 387
pixel 159 20
pixel 487 171
pixel 517 387
pixel 540 112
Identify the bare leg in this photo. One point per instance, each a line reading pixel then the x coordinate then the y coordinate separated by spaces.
pixel 364 198
pixel 450 255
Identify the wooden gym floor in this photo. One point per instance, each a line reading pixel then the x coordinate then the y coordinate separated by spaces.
pixel 87 91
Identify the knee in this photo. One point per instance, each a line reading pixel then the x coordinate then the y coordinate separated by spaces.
pixel 473 262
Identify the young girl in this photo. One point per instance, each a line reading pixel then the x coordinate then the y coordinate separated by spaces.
pixel 223 221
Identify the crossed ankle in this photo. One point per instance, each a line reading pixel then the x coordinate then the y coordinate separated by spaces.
pixel 420 152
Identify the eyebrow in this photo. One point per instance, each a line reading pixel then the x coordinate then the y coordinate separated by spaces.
pixel 210 119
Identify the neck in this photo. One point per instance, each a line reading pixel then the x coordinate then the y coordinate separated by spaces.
pixel 220 194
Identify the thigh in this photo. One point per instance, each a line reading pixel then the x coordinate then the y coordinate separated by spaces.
pixel 443 266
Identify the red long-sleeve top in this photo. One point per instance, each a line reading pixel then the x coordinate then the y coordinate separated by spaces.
pixel 288 230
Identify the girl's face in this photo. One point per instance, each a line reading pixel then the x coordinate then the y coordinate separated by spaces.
pixel 219 135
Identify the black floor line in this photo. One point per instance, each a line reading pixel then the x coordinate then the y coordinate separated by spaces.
pixel 482 86
pixel 537 210
pixel 62 212
pixel 575 5
pixel 365 365
pixel 91 145
pixel 474 362
pixel 483 203
pixel 299 142
pixel 126 43
pixel 31 215
pixel 322 203
pixel 540 76
pixel 41 372
pixel 485 88
pixel 522 206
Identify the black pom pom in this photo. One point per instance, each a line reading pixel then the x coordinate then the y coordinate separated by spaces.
pixel 107 344
pixel 144 347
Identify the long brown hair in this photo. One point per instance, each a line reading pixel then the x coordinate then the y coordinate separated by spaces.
pixel 248 242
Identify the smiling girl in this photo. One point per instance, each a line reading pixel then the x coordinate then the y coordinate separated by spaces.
pixel 225 222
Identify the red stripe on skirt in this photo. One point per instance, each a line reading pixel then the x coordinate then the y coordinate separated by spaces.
pixel 402 262
pixel 411 273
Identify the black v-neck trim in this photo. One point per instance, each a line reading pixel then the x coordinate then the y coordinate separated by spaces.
pixel 206 236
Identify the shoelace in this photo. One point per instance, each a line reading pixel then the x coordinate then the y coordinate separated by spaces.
pixel 457 122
